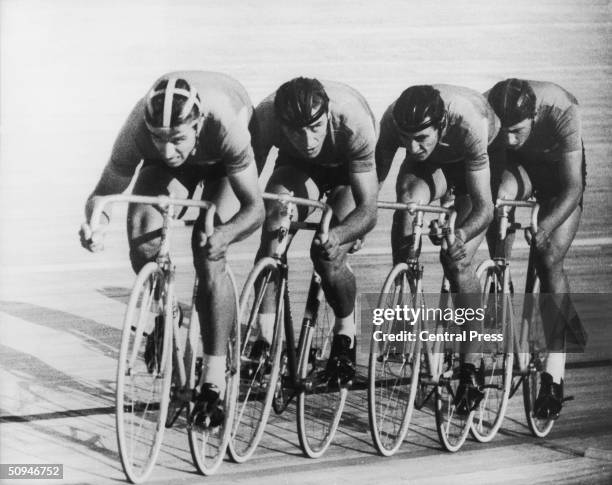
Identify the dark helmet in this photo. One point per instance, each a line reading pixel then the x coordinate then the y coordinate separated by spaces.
pixel 419 107
pixel 300 102
pixel 513 101
pixel 171 102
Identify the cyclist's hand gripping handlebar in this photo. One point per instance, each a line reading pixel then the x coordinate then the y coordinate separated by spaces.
pixel 445 235
pixel 503 207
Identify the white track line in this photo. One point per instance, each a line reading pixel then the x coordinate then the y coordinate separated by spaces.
pixel 248 256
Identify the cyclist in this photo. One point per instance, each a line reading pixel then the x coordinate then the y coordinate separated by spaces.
pixel 325 133
pixel 191 127
pixel 445 131
pixel 542 155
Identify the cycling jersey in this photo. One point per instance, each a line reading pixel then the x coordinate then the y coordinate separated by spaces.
pixel 471 126
pixel 224 143
pixel 350 139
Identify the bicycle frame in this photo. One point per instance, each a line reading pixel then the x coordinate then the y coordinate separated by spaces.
pixel 503 208
pixel 315 290
pixel 166 205
pixel 415 269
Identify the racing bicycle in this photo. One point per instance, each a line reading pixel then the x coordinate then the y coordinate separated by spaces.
pixel 159 367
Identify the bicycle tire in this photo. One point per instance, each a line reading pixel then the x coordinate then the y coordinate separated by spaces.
pixel 496 366
pixel 453 428
pixel 143 391
pixel 208 446
pixel 320 403
pixel 393 370
pixel 540 428
pixel 256 389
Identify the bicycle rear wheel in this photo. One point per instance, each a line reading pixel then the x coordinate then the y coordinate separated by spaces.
pixel 393 371
pixel 321 402
pixel 208 445
pixel 453 427
pixel 497 361
pixel 143 386
pixel 258 374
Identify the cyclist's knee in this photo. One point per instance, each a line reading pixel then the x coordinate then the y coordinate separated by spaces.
pixel 549 264
pixel 326 267
pixel 144 234
pixel 143 253
pixel 550 259
pixel 274 213
pixel 457 269
pixel 505 192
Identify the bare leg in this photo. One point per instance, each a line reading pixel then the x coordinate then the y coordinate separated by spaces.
pixel 462 278
pixel 215 299
pixel 337 279
pixel 284 180
pixel 144 222
pixel 412 186
pixel 514 185
pixel 553 280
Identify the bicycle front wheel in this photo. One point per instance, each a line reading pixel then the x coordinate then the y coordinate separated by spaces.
pixel 393 371
pixel 532 381
pixel 496 362
pixel 144 373
pixel 259 366
pixel 531 384
pixel 320 401
pixel 208 445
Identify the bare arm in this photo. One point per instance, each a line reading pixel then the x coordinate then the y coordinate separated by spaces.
pixel 570 177
pixel 124 159
pixel 479 189
pixel 363 218
pixel 251 214
pixel 111 182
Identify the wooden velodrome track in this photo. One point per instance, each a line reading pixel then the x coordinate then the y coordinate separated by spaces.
pixel 70 73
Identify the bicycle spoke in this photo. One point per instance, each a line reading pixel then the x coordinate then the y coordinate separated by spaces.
pixel 393 374
pixel 143 381
pixel 259 364
pixel 320 405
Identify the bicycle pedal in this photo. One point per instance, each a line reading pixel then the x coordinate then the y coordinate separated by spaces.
pixel 209 420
